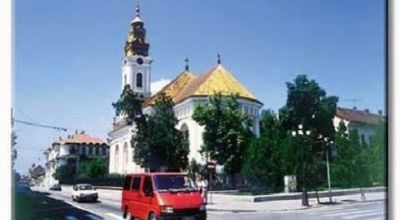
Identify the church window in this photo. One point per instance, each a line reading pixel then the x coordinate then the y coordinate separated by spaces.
pixel 116 162
pixel 103 151
pixel 125 156
pixel 90 150
pixel 97 150
pixel 125 80
pixel 139 80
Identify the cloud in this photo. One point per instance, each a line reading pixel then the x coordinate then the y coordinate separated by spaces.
pixel 158 85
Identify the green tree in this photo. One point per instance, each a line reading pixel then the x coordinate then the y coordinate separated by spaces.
pixel 350 168
pixel 129 105
pixel 158 144
pixel 378 155
pixel 93 168
pixel 265 165
pixel 308 104
pixel 227 132
pixel 63 172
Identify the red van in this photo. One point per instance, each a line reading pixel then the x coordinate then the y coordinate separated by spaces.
pixel 157 196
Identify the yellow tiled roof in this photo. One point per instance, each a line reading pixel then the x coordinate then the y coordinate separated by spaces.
pixel 217 80
pixel 174 88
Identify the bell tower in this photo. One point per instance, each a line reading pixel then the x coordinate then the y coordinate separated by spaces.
pixel 136 64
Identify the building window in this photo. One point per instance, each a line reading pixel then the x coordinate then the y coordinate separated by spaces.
pixel 125 80
pixel 139 80
pixel 363 139
pixel 97 150
pixel 90 150
pixel 125 156
pixel 83 150
pixel 103 150
pixel 116 162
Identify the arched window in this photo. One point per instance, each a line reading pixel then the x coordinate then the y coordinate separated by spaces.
pixel 139 80
pixel 116 162
pixel 83 150
pixel 185 131
pixel 125 81
pixel 103 150
pixel 125 156
pixel 97 150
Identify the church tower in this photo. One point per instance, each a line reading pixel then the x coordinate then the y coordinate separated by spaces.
pixel 136 64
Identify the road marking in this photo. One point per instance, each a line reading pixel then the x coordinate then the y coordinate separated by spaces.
pixel 70 217
pixel 313 212
pixel 91 216
pixel 350 213
pixel 114 215
pixel 364 215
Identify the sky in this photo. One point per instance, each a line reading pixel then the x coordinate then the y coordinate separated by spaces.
pixel 67 55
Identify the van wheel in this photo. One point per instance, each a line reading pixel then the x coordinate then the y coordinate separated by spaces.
pixel 129 215
pixel 152 216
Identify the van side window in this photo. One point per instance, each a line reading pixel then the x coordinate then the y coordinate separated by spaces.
pixel 147 185
pixel 135 183
pixel 127 182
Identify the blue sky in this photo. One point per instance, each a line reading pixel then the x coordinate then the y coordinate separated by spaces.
pixel 67 54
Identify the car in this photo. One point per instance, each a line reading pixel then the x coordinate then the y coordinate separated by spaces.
pixel 158 196
pixel 84 192
pixel 55 187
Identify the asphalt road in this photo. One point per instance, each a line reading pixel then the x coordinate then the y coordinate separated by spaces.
pixel 110 210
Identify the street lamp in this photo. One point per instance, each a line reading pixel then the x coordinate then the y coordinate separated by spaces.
pixel 300 132
pixel 327 150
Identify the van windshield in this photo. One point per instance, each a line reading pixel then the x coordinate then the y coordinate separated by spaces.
pixel 173 183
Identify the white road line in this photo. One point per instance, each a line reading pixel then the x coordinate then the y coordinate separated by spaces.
pixel 364 215
pixel 327 211
pixel 91 216
pixel 70 217
pixel 350 213
pixel 383 217
pixel 114 215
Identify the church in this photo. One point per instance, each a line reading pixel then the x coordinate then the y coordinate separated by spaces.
pixel 187 90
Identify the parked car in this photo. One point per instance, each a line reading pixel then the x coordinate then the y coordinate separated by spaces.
pixel 152 196
pixel 84 192
pixel 55 187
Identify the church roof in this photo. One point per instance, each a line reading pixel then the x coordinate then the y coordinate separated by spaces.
pixel 174 88
pixel 217 80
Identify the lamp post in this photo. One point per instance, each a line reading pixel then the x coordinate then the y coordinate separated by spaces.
pixel 301 132
pixel 327 150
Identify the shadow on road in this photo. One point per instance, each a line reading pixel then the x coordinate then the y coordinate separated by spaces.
pixel 32 205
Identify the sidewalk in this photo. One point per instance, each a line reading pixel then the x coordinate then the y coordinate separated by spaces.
pixel 227 204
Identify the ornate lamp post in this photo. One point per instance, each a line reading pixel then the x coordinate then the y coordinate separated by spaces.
pixel 301 132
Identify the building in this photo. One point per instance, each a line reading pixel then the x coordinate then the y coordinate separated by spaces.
pixel 36 174
pixel 363 121
pixel 186 90
pixel 71 151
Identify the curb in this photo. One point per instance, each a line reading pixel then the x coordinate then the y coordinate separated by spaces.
pixel 321 194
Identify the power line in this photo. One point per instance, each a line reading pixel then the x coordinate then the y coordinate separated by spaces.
pixel 40 125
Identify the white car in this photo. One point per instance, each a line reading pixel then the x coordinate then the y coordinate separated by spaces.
pixel 84 192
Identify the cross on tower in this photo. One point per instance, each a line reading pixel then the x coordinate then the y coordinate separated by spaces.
pixel 187 64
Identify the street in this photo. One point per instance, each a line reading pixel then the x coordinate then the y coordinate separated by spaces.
pixel 374 210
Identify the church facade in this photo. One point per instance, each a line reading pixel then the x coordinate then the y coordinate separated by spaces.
pixel 187 91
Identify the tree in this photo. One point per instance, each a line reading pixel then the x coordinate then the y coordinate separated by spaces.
pixel 158 144
pixel 227 132
pixel 129 105
pixel 308 104
pixel 63 172
pixel 378 148
pixel 93 168
pixel 265 165
pixel 351 168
